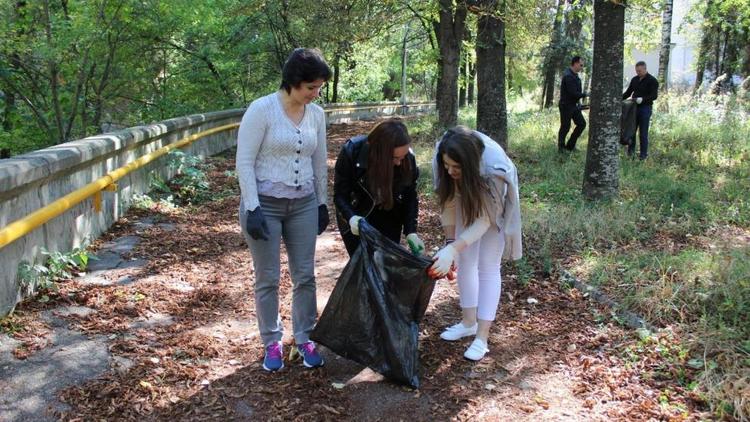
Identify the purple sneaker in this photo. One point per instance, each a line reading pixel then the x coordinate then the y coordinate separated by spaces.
pixel 274 359
pixel 310 356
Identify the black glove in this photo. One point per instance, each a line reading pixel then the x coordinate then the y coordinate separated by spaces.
pixel 255 224
pixel 323 219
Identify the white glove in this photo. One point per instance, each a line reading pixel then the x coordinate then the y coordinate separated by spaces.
pixel 354 224
pixel 415 243
pixel 639 100
pixel 442 262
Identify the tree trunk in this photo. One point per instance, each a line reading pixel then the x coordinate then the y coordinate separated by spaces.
pixel 492 118
pixel 705 47
pixel 509 72
pixel 336 74
pixel 600 179
pixel 470 88
pixel 10 106
pixel 666 45
pixel 53 79
pixel 450 33
pixel 553 57
pixel 464 81
pixel 574 17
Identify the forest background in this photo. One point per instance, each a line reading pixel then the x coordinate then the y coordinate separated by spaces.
pixel 674 245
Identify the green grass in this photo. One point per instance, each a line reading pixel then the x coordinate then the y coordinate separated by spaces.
pixel 674 246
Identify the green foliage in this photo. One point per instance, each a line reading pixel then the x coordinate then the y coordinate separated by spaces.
pixel 56 267
pixel 189 186
pixel 11 325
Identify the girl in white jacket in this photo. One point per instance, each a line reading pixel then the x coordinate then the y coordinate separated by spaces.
pixel 477 188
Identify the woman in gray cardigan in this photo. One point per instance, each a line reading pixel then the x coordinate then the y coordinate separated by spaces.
pixel 281 165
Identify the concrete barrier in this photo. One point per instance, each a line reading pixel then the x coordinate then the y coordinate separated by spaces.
pixel 31 181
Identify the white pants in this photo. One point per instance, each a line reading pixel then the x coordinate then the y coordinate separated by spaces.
pixel 479 278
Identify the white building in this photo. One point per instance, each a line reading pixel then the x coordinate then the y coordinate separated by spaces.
pixel 681 72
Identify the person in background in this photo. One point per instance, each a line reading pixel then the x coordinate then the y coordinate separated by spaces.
pixel 643 89
pixel 376 179
pixel 477 188
pixel 570 95
pixel 282 171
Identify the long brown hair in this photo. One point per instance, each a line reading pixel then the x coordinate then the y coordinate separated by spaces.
pixel 382 175
pixel 463 147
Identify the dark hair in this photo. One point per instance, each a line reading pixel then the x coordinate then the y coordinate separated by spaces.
pixel 303 65
pixel 463 147
pixel 575 60
pixel 640 63
pixel 382 176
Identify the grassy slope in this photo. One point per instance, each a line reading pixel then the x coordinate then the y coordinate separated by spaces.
pixel 674 247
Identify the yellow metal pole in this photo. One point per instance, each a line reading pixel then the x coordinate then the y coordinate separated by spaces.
pixel 23 226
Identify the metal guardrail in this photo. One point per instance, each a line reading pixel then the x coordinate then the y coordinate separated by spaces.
pixel 23 226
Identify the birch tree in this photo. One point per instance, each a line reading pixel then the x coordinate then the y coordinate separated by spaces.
pixel 666 45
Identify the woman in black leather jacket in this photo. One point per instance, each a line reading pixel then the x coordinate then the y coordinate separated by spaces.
pixel 376 179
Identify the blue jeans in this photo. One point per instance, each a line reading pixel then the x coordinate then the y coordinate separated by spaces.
pixel 296 222
pixel 642 121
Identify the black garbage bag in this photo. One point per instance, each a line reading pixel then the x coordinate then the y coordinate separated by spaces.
pixel 627 121
pixel 372 316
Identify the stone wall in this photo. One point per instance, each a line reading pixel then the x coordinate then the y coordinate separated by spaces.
pixel 31 181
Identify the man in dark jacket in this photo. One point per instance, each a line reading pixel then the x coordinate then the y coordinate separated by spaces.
pixel 570 93
pixel 643 90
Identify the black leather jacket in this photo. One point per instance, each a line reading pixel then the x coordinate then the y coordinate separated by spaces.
pixel 351 195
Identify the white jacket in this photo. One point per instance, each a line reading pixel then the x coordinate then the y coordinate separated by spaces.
pixel 502 178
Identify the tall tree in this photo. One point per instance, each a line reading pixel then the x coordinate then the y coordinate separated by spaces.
pixel 472 76
pixel 492 118
pixel 552 57
pixel 450 33
pixel 564 43
pixel 600 179
pixel 666 45
pixel 463 79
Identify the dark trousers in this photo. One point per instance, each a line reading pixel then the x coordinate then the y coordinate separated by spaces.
pixel 568 113
pixel 642 122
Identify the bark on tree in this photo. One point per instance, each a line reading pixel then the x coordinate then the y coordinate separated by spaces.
pixel 492 118
pixel 335 82
pixel 10 107
pixel 551 62
pixel 600 179
pixel 450 32
pixel 703 51
pixel 464 81
pixel 666 45
pixel 470 88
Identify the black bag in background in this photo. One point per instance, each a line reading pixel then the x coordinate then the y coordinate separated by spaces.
pixel 627 121
pixel 372 316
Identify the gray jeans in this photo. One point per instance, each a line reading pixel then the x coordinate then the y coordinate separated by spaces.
pixel 296 221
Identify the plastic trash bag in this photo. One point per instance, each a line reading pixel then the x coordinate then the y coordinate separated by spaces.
pixel 372 316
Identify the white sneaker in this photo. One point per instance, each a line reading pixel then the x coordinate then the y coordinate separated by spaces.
pixel 477 350
pixel 458 331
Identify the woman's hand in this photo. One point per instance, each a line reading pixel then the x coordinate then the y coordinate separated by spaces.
pixel 323 218
pixel 415 243
pixel 255 224
pixel 443 261
pixel 354 224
